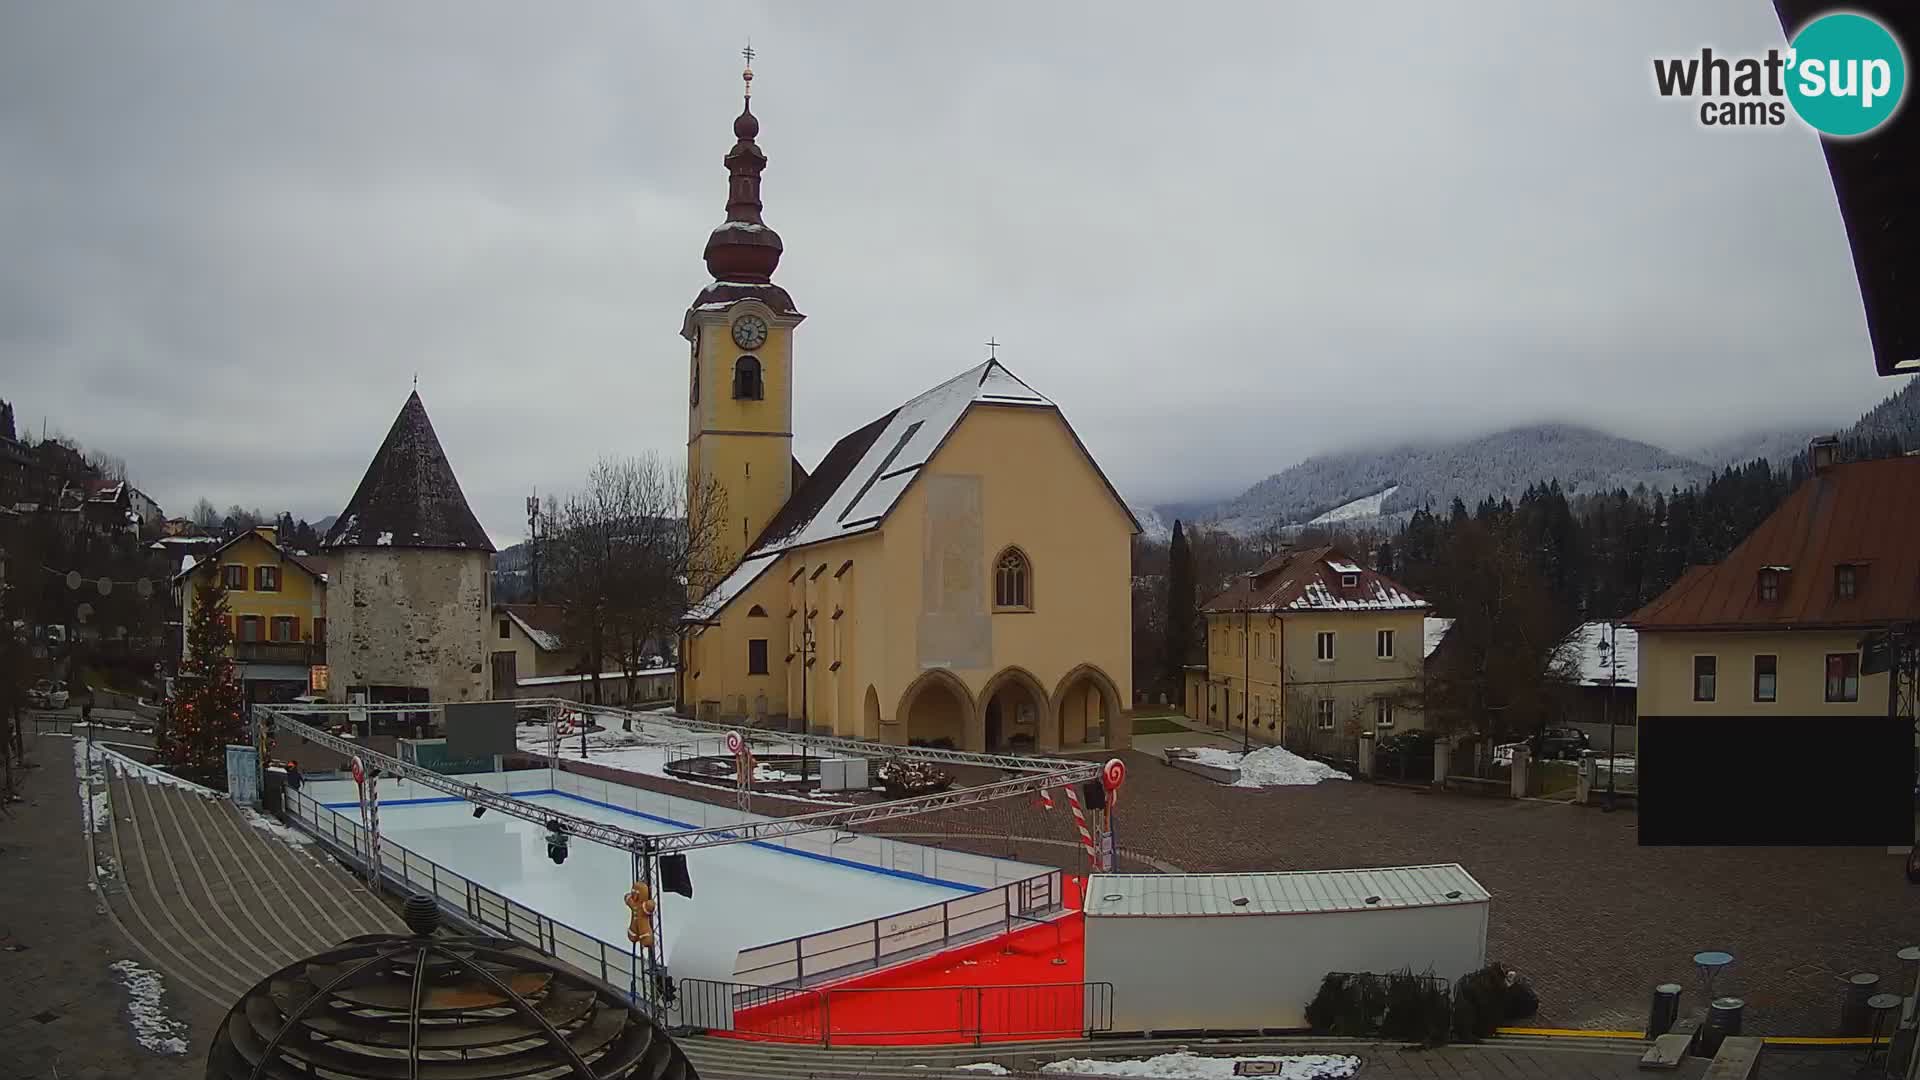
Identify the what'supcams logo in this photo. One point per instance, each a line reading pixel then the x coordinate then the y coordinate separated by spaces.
pixel 1844 75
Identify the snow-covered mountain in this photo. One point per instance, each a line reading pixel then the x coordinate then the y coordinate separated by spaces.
pixel 1364 487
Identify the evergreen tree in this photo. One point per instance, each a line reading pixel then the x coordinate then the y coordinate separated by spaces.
pixel 1181 605
pixel 6 422
pixel 1383 559
pixel 206 711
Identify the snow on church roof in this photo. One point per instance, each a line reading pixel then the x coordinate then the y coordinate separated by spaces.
pixel 857 483
pixel 855 500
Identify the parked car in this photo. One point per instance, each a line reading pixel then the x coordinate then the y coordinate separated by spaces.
pixel 1559 743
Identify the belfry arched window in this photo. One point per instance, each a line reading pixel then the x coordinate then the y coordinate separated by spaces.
pixel 746 379
pixel 1013 580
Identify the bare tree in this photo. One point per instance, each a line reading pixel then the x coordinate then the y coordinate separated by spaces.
pixel 205 515
pixel 619 555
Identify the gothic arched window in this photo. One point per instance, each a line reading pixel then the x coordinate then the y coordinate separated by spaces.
pixel 746 379
pixel 1012 580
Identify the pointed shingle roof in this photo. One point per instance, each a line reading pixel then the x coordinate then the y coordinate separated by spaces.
pixel 409 497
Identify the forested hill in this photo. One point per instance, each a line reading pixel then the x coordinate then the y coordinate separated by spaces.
pixel 1498 466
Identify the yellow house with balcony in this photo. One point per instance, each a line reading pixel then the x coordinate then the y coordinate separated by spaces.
pixel 1313 648
pixel 277 611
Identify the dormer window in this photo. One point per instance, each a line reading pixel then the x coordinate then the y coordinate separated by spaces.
pixel 1348 581
pixel 747 384
pixel 1846 581
pixel 1770 584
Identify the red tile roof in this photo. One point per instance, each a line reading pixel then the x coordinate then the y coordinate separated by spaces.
pixel 1864 513
pixel 1307 581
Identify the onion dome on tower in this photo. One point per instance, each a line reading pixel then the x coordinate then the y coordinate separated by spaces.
pixel 743 252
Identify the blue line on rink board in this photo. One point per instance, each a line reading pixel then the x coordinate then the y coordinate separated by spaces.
pixel 527 795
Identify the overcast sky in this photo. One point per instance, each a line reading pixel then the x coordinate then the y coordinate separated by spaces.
pixel 1222 237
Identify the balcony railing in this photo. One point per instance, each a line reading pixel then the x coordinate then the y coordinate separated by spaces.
pixel 305 653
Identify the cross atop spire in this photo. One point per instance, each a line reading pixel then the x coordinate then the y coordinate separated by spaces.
pixel 746 76
pixel 993 349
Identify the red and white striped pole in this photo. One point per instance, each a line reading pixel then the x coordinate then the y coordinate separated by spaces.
pixel 1080 822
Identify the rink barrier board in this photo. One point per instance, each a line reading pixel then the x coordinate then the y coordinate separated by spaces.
pixel 928 865
pixel 783 849
pixel 870 945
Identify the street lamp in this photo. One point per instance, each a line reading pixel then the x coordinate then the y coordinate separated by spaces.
pixel 1246 670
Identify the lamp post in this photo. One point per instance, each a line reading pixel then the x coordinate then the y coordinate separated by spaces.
pixel 1246 671
pixel 1613 681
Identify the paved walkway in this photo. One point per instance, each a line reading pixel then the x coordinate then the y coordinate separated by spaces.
pixel 1519 1058
pixel 194 893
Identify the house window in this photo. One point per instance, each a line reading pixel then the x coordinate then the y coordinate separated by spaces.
pixel 1382 713
pixel 506 629
pixel 1846 581
pixel 1843 676
pixel 1348 581
pixel 1323 714
pixel 746 379
pixel 1012 580
pixel 1705 668
pixel 1323 645
pixel 1769 586
pixel 1383 644
pixel 249 628
pixel 284 628
pixel 757 656
pixel 266 579
pixel 234 577
pixel 1766 678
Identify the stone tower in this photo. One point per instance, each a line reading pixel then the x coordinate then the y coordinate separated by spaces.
pixel 409 593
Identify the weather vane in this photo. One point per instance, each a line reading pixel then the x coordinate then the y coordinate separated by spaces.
pixel 747 75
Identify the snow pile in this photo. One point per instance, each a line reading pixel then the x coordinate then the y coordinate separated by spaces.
pixel 1185 1064
pixel 94 806
pixel 271 827
pixel 1274 766
pixel 152 1027
pixel 983 1067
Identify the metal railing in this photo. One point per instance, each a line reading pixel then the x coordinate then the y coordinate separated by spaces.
pixel 795 963
pixel 854 1016
pixel 829 955
pixel 464 897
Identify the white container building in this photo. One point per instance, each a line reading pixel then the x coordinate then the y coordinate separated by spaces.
pixel 1246 952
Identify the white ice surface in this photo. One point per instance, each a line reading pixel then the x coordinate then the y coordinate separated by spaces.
pixel 1184 1064
pixel 744 895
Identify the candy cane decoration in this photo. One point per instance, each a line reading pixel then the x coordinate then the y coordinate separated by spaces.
pixel 1080 822
pixel 1046 799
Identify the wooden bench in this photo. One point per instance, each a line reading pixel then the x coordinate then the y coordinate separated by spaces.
pixel 1669 1050
pixel 1738 1059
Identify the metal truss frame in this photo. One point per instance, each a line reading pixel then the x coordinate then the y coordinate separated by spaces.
pixel 1059 773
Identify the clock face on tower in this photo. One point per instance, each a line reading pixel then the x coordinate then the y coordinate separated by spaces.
pixel 749 331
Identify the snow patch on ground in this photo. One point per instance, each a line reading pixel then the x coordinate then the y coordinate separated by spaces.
pixel 152 1027
pixel 1274 766
pixel 94 806
pixel 651 744
pixel 984 1067
pixel 1182 1063
pixel 273 828
pixel 1365 506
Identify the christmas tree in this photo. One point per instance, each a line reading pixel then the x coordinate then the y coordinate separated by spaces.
pixel 205 713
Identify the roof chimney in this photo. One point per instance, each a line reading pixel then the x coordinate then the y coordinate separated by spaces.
pixel 1822 452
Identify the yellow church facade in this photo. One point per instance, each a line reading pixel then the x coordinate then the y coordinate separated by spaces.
pixel 956 572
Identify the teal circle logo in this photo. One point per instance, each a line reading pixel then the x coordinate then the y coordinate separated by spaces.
pixel 1846 75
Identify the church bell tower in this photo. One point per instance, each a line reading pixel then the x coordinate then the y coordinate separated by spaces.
pixel 740 371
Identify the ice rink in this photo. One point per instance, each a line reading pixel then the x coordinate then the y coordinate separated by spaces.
pixel 743 894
